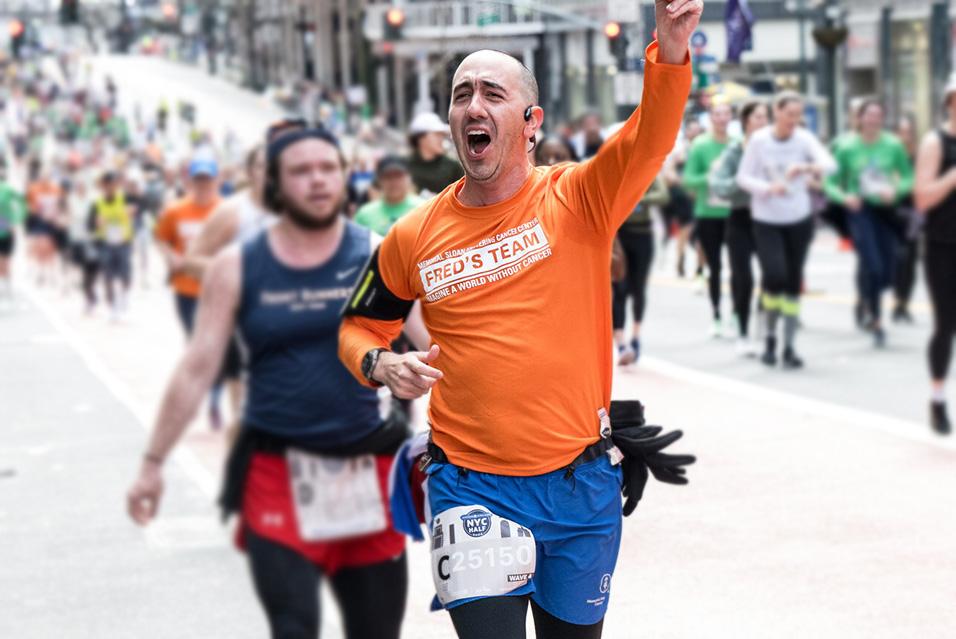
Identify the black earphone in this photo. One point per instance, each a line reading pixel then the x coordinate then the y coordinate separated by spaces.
pixel 527 118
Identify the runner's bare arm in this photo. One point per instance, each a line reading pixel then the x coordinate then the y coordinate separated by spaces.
pixel 931 188
pixel 373 318
pixel 602 192
pixel 190 381
pixel 216 233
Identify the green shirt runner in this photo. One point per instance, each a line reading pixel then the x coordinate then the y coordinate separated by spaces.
pixel 703 153
pixel 867 170
pixel 13 209
pixel 378 215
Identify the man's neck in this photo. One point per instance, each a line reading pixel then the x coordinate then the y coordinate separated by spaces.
pixel 721 136
pixel 871 136
pixel 495 190
pixel 299 247
pixel 394 201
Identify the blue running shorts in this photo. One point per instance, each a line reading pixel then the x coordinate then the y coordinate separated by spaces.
pixel 576 523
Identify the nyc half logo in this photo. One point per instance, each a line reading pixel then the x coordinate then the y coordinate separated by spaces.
pixel 477 522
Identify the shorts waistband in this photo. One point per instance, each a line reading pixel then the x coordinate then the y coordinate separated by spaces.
pixel 589 454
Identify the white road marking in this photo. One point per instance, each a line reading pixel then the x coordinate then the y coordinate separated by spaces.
pixel 185 458
pixel 855 417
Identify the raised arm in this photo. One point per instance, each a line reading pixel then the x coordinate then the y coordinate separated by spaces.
pixel 192 379
pixel 602 192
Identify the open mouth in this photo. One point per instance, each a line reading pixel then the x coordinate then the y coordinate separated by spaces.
pixel 478 142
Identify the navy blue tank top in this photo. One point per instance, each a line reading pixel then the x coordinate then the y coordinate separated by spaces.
pixel 288 320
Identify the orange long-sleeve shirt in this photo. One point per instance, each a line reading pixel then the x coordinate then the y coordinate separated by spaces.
pixel 517 295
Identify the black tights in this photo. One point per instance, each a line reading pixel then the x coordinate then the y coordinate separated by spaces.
pixel 941 281
pixel 741 247
pixel 90 270
pixel 504 618
pixel 639 253
pixel 371 598
pixel 711 233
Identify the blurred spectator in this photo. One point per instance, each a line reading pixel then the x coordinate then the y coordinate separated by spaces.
pixel 394 183
pixel 554 149
pixel 431 169
pixel 590 135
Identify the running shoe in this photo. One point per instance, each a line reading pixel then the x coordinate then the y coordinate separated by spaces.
pixel 879 337
pixel 700 284
pixel 861 315
pixel 636 347
pixel 791 360
pixel 732 328
pixel 625 355
pixel 716 329
pixel 745 348
pixel 901 315
pixel 938 418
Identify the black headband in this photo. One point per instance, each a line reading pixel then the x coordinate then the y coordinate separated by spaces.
pixel 285 140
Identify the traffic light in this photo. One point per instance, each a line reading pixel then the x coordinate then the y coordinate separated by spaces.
pixel 617 43
pixel 70 11
pixel 394 20
pixel 17 35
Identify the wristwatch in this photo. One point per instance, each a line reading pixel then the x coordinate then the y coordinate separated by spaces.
pixel 369 362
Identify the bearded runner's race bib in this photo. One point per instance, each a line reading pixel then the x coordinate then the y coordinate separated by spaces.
pixel 476 553
pixel 335 497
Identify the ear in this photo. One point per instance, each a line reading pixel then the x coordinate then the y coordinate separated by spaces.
pixel 533 123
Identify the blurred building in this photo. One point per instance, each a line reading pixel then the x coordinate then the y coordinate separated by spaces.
pixel 902 51
pixel 562 41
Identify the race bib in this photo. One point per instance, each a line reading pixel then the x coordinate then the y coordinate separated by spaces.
pixel 476 553
pixel 873 182
pixel 115 234
pixel 716 201
pixel 334 497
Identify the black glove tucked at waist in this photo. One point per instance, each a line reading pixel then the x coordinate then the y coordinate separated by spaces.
pixel 642 448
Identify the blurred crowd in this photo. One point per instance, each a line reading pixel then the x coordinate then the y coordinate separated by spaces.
pixel 99 189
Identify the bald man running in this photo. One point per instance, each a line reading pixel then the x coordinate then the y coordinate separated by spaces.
pixel 511 263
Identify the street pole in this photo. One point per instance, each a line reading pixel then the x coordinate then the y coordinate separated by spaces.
pixel 591 80
pixel 802 17
pixel 345 45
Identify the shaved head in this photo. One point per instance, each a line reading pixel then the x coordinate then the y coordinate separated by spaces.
pixel 489 117
pixel 523 80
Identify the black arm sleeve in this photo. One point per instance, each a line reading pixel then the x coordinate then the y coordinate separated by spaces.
pixel 372 299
